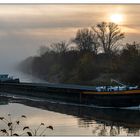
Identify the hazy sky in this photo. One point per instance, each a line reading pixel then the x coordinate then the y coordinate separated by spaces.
pixel 23 28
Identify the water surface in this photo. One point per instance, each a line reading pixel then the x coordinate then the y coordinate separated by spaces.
pixel 70 119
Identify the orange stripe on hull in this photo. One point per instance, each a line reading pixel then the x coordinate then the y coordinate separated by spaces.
pixel 113 92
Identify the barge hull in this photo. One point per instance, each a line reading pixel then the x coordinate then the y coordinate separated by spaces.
pixel 74 95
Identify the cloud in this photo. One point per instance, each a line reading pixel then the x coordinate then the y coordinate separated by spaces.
pixel 20 18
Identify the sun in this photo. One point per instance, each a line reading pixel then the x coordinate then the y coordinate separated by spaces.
pixel 116 18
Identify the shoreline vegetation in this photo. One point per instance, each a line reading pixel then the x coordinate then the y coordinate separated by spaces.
pixel 16 127
pixel 92 57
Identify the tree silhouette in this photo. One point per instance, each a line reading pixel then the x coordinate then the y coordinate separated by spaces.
pixel 86 41
pixel 82 63
pixel 60 47
pixel 109 35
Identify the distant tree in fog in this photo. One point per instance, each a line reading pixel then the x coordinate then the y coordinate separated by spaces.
pixel 43 49
pixel 131 49
pixel 86 41
pixel 60 47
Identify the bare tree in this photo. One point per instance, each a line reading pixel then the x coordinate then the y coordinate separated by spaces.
pixel 86 40
pixel 109 35
pixel 60 47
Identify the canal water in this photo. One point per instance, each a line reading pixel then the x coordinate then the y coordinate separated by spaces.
pixel 67 119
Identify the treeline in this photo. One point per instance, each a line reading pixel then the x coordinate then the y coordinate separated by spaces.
pixel 92 57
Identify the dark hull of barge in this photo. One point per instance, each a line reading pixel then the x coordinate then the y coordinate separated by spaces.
pixel 75 94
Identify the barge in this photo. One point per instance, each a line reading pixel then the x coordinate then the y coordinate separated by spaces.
pixel 5 78
pixel 102 96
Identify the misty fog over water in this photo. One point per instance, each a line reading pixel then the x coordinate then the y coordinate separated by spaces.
pixel 12 71
pixel 13 50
